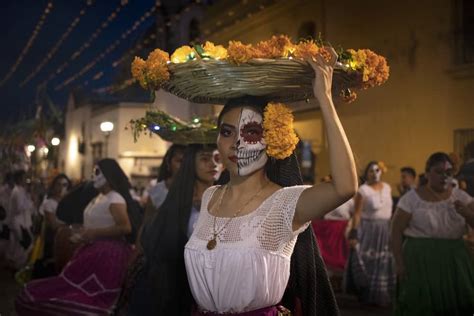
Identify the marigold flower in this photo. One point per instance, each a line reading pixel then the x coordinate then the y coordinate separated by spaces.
pixel 306 50
pixel 157 69
pixel 276 47
pixel 382 166
pixel 239 53
pixel 279 134
pixel 183 54
pixel 138 71
pixel 216 52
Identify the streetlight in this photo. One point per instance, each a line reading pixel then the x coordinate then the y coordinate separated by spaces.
pixel 55 141
pixel 106 127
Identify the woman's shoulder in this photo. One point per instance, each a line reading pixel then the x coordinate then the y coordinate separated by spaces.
pixel 463 196
pixel 115 197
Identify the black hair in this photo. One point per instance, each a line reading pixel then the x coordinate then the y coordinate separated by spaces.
pixel 257 103
pixel 409 170
pixel 55 180
pixel 367 168
pixel 18 176
pixel 436 158
pixel 118 181
pixel 163 240
pixel 165 169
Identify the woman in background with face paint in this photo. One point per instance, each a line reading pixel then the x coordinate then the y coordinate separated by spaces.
pixel 370 272
pixel 435 272
pixel 90 283
pixel 238 258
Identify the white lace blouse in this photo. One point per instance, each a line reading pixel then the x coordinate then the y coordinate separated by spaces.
pixel 250 266
pixel 434 219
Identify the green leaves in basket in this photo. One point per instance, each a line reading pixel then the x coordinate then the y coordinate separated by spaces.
pixel 201 52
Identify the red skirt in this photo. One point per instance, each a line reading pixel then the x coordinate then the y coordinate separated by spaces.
pixel 332 242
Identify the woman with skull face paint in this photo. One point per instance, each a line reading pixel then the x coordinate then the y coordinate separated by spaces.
pixel 370 272
pixel 90 283
pixel 238 258
pixel 435 272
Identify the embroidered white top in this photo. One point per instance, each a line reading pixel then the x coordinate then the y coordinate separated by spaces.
pixel 97 213
pixel 250 266
pixel 434 219
pixel 376 204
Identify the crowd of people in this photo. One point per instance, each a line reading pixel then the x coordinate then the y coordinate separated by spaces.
pixel 241 242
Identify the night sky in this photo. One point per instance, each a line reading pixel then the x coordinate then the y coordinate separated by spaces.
pixel 18 20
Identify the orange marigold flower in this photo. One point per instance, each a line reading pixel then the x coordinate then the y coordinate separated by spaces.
pixel 239 53
pixel 306 50
pixel 138 71
pixel 157 69
pixel 276 47
pixel 278 131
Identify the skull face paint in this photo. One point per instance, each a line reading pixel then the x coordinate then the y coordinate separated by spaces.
pixel 377 172
pixel 250 144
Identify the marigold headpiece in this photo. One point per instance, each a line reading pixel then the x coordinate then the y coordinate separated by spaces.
pixel 278 131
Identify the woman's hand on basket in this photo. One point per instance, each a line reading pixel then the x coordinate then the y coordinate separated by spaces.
pixel 323 69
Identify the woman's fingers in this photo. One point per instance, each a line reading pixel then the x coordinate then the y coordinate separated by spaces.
pixel 333 54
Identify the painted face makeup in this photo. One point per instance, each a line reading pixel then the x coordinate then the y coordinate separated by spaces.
pixel 250 145
pixel 377 173
pixel 98 178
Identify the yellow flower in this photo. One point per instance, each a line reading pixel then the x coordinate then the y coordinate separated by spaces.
pixel 382 166
pixel 278 131
pixel 183 54
pixel 138 71
pixel 216 52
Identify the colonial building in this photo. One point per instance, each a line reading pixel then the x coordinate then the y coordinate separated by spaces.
pixel 425 106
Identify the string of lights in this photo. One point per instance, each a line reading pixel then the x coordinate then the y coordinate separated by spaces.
pixel 30 42
pixel 109 49
pixel 113 88
pixel 58 44
pixel 112 16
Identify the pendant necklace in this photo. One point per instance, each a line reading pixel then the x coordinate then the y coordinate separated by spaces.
pixel 211 244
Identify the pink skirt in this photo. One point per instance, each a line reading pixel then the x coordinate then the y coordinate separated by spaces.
pixel 332 242
pixel 89 284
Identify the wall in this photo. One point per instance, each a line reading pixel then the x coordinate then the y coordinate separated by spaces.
pixel 412 115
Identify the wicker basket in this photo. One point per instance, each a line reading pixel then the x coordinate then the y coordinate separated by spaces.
pixel 279 80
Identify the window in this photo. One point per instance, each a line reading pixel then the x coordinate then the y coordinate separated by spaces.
pixel 463 143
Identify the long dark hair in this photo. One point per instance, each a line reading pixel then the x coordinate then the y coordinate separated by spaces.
pixel 163 240
pixel 55 180
pixel 165 169
pixel 308 282
pixel 118 181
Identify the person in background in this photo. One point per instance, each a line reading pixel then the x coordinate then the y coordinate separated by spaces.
pixel 466 172
pixel 434 269
pixel 330 234
pixel 159 285
pixel 370 272
pixel 44 266
pixel 407 180
pixel 22 210
pixel 5 215
pixel 90 283
pixel 167 174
